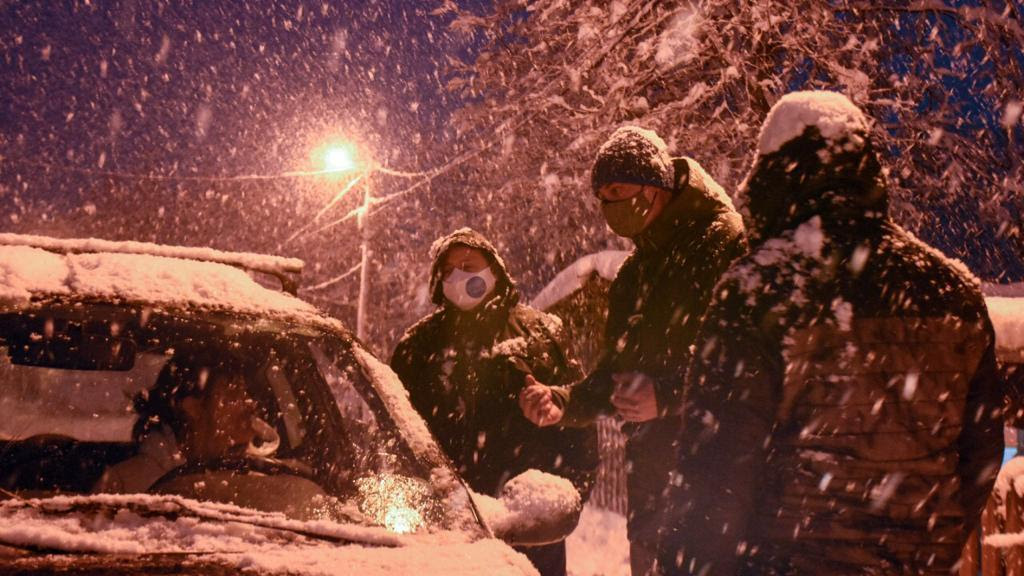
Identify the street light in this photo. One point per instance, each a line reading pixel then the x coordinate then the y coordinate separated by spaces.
pixel 339 158
pixel 342 158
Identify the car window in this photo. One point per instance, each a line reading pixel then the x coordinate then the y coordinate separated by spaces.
pixel 105 399
pixel 87 405
pixel 358 420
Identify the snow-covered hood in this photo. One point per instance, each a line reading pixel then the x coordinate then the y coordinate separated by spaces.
pixel 134 526
pixel 28 273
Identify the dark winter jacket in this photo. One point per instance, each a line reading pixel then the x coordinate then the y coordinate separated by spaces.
pixel 654 308
pixel 464 371
pixel 842 410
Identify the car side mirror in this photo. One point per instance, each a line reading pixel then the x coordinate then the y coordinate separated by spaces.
pixel 535 508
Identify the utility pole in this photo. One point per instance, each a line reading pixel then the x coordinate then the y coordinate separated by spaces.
pixel 364 266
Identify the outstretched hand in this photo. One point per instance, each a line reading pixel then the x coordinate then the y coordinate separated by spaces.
pixel 535 400
pixel 634 397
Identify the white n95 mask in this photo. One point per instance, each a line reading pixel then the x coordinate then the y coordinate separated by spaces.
pixel 467 289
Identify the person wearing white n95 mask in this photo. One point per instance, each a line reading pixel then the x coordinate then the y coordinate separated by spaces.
pixel 465 364
pixel 467 289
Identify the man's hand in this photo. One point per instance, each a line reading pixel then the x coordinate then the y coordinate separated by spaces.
pixel 536 403
pixel 634 397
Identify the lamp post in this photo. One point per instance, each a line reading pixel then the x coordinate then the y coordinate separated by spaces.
pixel 362 222
pixel 341 158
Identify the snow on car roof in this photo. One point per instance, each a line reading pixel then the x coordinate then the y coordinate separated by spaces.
pixel 606 264
pixel 28 273
pixel 259 262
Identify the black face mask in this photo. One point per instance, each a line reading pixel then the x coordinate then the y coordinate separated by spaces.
pixel 627 217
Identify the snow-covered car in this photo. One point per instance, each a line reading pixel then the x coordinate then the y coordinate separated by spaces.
pixel 108 351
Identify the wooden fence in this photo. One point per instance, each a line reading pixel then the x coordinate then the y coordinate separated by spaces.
pixel 610 491
pixel 1004 514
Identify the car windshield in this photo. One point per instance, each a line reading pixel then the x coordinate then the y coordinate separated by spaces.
pixel 107 399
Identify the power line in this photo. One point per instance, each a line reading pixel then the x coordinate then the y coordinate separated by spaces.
pixel 121 175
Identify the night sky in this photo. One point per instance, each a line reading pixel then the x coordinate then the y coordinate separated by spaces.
pixel 198 87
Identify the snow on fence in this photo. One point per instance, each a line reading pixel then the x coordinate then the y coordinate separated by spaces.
pixel 996 548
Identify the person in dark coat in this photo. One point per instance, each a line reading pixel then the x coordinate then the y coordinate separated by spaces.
pixel 686 232
pixel 843 414
pixel 465 364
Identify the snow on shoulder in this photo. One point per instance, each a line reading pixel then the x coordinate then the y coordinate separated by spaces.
pixel 832 113
pixel 606 264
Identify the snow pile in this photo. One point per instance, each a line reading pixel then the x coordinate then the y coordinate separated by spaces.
pixel 27 272
pixel 680 41
pixel 598 546
pixel 606 264
pixel 1007 316
pixel 529 500
pixel 832 113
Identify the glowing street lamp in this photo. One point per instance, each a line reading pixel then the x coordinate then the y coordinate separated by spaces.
pixel 339 158
pixel 342 158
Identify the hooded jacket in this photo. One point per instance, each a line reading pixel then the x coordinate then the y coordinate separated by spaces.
pixel 655 305
pixel 842 410
pixel 464 371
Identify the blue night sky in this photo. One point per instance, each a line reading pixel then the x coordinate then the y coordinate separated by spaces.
pixel 220 87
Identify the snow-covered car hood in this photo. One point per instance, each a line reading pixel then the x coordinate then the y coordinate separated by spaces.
pixel 136 531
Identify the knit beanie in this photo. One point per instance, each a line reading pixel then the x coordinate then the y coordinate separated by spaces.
pixel 633 155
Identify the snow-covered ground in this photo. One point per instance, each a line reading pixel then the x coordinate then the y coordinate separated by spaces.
pixel 598 546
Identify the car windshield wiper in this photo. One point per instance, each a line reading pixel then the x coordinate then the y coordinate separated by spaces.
pixel 173 507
